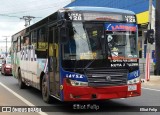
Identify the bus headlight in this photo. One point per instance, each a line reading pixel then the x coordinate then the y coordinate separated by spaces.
pixel 78 83
pixel 134 81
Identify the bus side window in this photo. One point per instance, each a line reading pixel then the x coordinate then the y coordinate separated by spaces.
pixel 19 44
pixel 53 49
pixel 50 42
pixel 41 38
pixel 34 38
pixel 41 35
pixel 55 41
pixel 15 46
pixel 26 40
pixel 22 44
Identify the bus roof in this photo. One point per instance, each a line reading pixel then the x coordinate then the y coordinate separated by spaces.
pixel 82 8
pixel 100 9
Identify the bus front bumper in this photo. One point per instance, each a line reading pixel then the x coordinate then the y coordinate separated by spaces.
pixel 79 93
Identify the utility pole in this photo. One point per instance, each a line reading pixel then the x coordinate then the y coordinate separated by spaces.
pixel 157 38
pixel 6 43
pixel 148 54
pixel 27 20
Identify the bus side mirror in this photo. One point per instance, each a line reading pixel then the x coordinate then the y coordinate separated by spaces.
pixel 64 34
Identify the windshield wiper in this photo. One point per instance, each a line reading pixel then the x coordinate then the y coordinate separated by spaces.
pixel 89 63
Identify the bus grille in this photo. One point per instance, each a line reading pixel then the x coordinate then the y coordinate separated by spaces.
pixel 106 77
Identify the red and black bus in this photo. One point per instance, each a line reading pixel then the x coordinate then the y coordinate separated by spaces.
pixel 80 53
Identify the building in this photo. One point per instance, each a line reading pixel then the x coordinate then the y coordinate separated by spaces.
pixel 140 7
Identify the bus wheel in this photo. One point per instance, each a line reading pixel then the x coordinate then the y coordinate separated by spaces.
pixel 20 82
pixel 45 90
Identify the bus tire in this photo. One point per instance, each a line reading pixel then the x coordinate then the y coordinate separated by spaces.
pixel 45 90
pixel 20 82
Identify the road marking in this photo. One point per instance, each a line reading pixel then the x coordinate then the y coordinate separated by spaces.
pixel 150 89
pixel 21 98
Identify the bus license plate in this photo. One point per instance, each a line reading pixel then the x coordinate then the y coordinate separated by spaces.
pixel 132 87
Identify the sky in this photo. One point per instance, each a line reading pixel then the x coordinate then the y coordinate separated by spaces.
pixel 12 10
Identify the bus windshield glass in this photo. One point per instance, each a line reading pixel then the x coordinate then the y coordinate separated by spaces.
pixel 85 41
pixel 122 40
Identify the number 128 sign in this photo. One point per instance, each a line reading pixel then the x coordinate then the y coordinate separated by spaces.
pixel 75 16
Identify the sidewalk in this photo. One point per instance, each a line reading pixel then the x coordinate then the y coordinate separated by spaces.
pixel 154 82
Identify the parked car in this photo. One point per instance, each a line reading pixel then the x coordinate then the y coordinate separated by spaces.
pixel 6 68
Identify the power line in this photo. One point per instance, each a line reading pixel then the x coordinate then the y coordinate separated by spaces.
pixel 9 16
pixel 26 18
pixel 33 10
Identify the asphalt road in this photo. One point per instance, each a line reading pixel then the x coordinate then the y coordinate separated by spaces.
pixel 148 101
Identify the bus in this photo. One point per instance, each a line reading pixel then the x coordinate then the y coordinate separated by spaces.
pixel 79 53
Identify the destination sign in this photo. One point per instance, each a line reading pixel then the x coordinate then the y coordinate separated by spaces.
pixel 99 16
pixel 102 17
pixel 120 27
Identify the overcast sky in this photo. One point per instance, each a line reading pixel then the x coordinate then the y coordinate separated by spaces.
pixel 12 10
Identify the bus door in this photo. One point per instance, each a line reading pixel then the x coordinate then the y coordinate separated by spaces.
pixel 54 62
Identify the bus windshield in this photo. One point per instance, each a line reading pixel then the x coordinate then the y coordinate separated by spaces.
pixel 90 44
pixel 122 44
pixel 89 41
pixel 85 42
